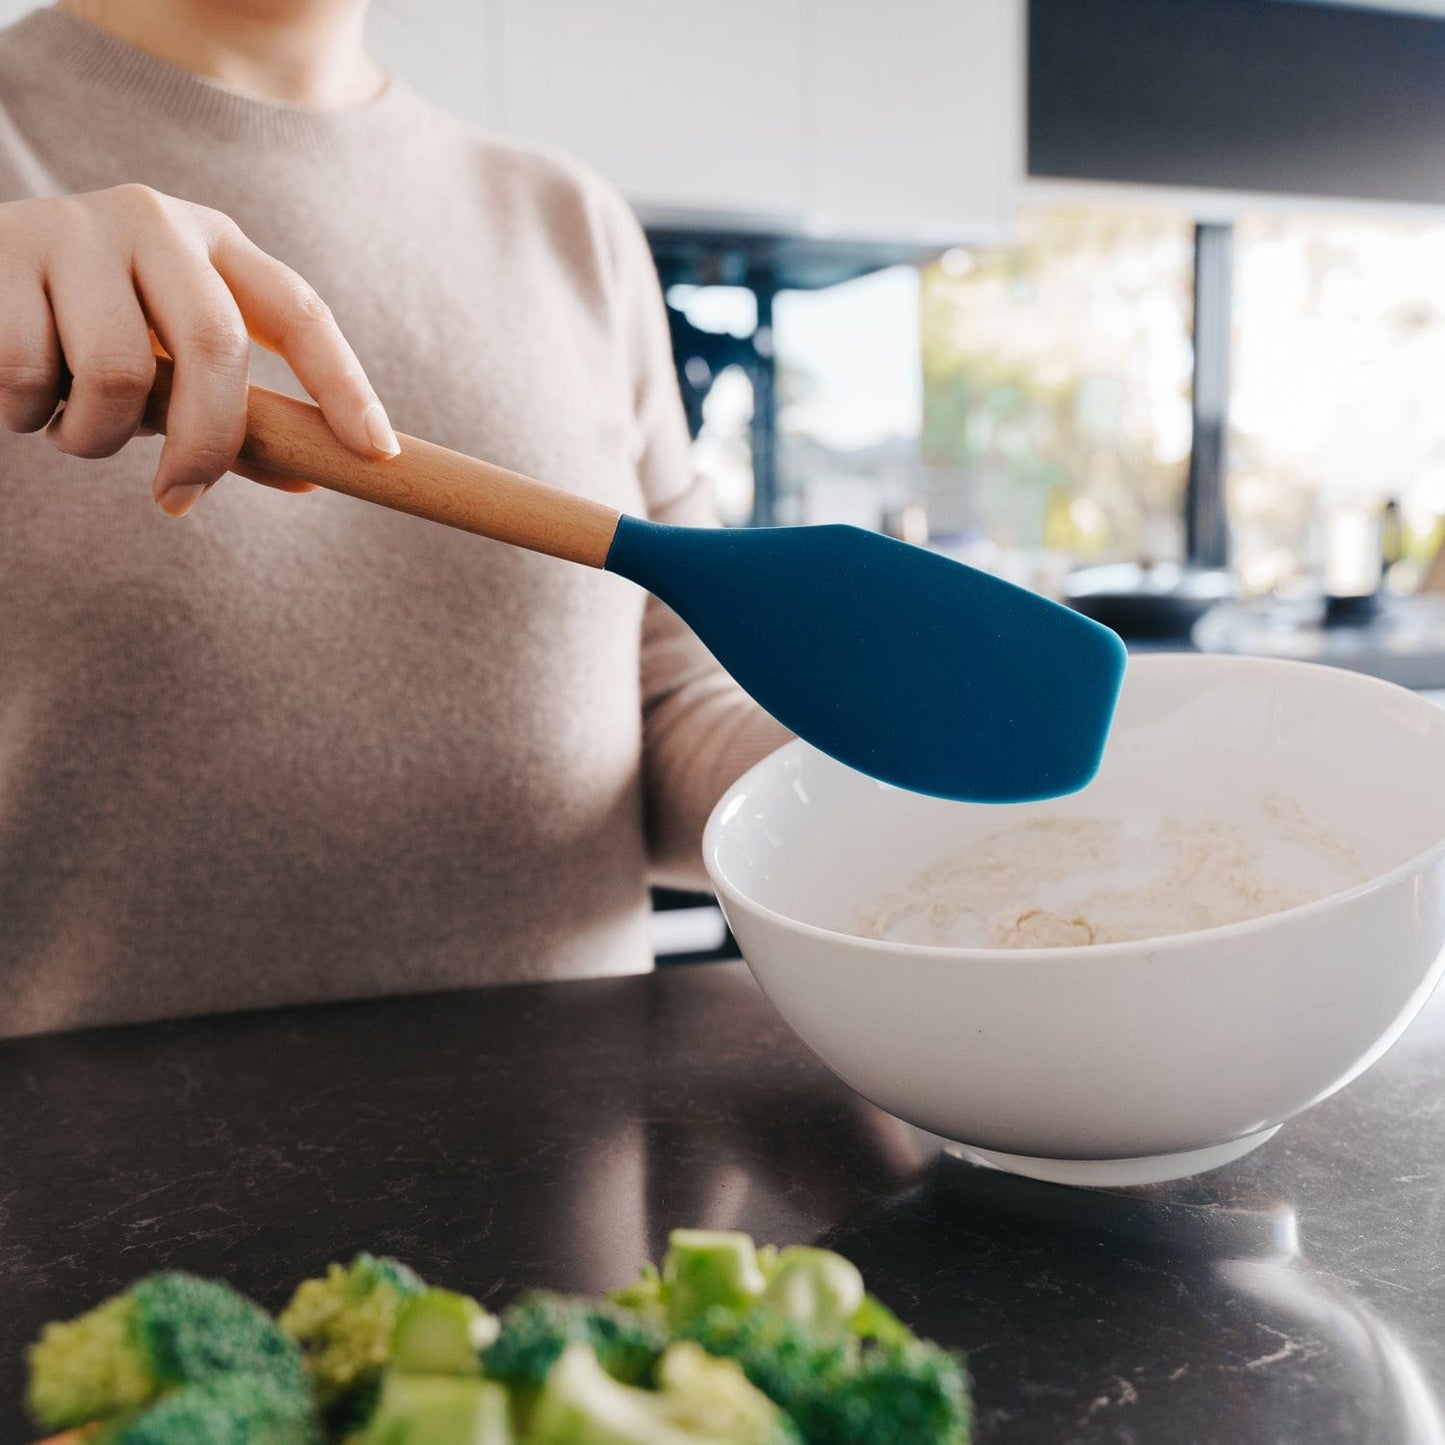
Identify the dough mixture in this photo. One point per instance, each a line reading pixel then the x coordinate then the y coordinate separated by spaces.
pixel 1065 881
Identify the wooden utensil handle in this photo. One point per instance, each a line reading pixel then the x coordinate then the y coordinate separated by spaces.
pixel 291 438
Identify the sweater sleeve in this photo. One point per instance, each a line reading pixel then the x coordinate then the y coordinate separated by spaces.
pixel 700 730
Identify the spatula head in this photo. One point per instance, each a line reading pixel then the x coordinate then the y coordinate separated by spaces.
pixel 901 663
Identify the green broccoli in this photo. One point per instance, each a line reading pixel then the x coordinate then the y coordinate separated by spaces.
pixel 714 1399
pixel 815 1286
pixel 645 1295
pixel 703 1268
pixel 840 1391
pixel 539 1326
pixel 439 1332
pixel 700 1401
pixel 166 1331
pixel 909 1394
pixel 343 1324
pixel 229 1410
pixel 88 1368
pixel 706 1267
pixel 439 1410
pixel 787 1360
pixel 726 1345
pixel 873 1320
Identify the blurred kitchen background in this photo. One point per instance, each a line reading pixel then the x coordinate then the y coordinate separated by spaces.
pixel 1137 302
pixel 1140 303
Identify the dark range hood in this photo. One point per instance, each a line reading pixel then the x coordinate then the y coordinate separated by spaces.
pixel 1239 95
pixel 773 260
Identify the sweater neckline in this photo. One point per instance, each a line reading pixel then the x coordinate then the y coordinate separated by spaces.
pixel 149 86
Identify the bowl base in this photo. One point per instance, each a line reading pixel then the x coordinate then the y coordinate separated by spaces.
pixel 1116 1173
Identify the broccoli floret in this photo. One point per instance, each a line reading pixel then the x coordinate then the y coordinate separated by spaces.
pixel 815 1286
pixel 439 1410
pixel 839 1392
pixel 786 1359
pixel 438 1332
pixel 198 1329
pixel 701 1401
pixel 343 1324
pixel 230 1410
pixel 707 1267
pixel 540 1325
pixel 713 1399
pixel 873 1320
pixel 716 1267
pixel 644 1295
pixel 166 1331
pixel 909 1394
pixel 92 1367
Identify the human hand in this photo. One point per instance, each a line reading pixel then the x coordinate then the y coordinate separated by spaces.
pixel 88 282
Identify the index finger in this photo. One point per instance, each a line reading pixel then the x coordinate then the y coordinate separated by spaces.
pixel 285 315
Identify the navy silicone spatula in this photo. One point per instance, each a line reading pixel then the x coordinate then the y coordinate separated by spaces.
pixel 903 664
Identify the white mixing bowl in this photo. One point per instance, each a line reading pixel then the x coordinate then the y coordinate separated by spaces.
pixel 1115 1063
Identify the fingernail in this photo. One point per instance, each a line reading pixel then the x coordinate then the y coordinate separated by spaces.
pixel 379 432
pixel 178 500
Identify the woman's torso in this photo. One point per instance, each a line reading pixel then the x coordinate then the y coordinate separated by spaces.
pixel 301 747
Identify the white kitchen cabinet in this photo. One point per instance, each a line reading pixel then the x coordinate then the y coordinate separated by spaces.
pixel 690 106
pixel 917 117
pixel 896 119
pixel 899 120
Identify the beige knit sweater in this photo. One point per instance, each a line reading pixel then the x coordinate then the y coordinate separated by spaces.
pixel 294 748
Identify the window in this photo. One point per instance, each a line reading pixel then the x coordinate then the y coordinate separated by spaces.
pixel 1056 385
pixel 1031 403
pixel 1339 354
pixel 849 399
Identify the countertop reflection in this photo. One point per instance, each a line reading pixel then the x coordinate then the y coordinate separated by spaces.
pixel 553 1134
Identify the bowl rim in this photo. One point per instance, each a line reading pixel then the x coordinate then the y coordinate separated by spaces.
pixel 1096 952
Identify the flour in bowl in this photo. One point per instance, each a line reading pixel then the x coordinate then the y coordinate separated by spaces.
pixel 1059 882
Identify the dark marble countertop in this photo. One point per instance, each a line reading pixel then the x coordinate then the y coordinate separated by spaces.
pixel 551 1135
